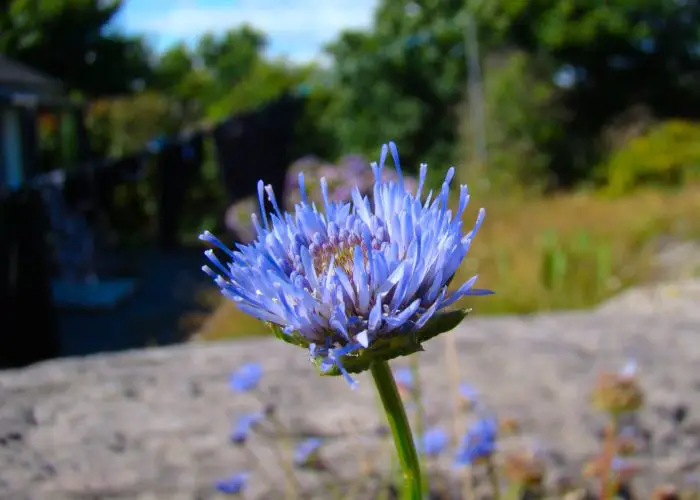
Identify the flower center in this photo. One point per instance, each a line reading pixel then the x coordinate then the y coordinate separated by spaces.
pixel 341 250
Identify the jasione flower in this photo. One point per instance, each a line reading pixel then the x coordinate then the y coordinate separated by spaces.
pixel 358 280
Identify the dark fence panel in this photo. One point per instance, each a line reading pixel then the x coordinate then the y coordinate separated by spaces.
pixel 28 326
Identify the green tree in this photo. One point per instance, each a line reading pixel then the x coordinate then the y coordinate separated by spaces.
pixel 404 81
pixel 618 54
pixel 69 40
pixel 405 78
pixel 178 75
pixel 205 79
pixel 172 67
pixel 231 56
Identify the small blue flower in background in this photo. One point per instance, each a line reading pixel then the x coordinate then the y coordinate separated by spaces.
pixel 246 378
pixel 156 144
pixel 188 152
pixel 404 378
pixel 307 452
pixel 434 442
pixel 469 394
pixel 619 463
pixel 244 425
pixel 692 480
pixel 479 442
pixel 629 369
pixel 355 276
pixel 624 467
pixel 234 484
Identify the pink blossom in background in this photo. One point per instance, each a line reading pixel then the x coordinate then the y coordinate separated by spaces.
pixel 350 171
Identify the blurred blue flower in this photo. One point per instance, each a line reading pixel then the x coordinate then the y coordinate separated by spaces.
pixel 692 480
pixel 244 425
pixel 246 378
pixel 623 467
pixel 358 273
pixel 629 369
pixel 434 442
pixel 234 484
pixel 306 452
pixel 404 378
pixel 479 442
pixel 619 463
pixel 188 152
pixel 469 393
pixel 156 144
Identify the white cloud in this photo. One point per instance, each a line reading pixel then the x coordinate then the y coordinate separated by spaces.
pixel 297 28
pixel 318 17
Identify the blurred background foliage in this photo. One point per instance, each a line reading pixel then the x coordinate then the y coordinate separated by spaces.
pixel 591 117
pixel 556 74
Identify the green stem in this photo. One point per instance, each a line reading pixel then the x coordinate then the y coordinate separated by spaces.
pixel 400 428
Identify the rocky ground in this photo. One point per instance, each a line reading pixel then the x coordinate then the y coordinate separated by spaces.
pixel 153 424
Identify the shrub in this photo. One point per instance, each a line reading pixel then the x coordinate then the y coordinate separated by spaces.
pixel 125 125
pixel 667 155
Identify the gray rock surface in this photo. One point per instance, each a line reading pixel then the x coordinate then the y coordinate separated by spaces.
pixel 154 424
pixel 676 259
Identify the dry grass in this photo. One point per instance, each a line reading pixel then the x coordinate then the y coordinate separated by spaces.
pixel 508 254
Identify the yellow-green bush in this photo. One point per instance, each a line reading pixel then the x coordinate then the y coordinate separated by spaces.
pixel 667 155
pixel 125 125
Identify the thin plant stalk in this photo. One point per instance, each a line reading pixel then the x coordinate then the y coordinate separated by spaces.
pixel 365 462
pixel 400 429
pixel 394 475
pixel 514 491
pixel 333 484
pixel 492 474
pixel 261 465
pixel 419 418
pixel 383 493
pixel 454 377
pixel 293 486
pixel 607 487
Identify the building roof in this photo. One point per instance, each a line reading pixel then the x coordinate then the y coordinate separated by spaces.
pixel 16 79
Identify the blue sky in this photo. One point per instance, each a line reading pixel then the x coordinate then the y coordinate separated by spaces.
pixel 297 29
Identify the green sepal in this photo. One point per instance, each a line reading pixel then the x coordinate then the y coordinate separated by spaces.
pixel 382 349
pixel 294 338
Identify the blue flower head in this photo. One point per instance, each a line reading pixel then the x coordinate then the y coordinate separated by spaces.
pixel 246 378
pixel 479 442
pixel 470 395
pixel 629 369
pixel 234 484
pixel 404 378
pixel 307 452
pixel 434 442
pixel 244 425
pixel 358 280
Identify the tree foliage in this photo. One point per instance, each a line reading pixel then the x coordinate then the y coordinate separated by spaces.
pixel 68 40
pixel 403 80
pixel 571 67
pixel 405 77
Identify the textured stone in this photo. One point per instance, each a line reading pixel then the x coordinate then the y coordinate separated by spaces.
pixel 154 424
